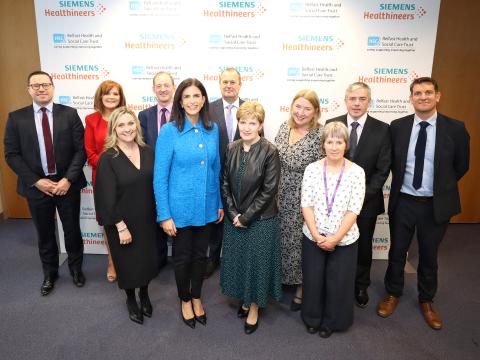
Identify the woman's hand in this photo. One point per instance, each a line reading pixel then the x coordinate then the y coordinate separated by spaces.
pixel 237 223
pixel 125 236
pixel 221 214
pixel 328 244
pixel 169 227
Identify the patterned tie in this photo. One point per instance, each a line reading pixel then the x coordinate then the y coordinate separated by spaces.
pixel 229 122
pixel 420 155
pixel 353 140
pixel 47 137
pixel 163 118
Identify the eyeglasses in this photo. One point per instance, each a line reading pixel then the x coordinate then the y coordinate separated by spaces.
pixel 46 86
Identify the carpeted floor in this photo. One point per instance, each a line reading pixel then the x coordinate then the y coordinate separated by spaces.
pixel 92 322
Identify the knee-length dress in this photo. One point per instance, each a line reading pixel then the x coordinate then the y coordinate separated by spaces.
pixel 251 258
pixel 123 192
pixel 294 159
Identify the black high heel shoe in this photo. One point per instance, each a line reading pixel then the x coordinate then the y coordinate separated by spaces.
pixel 189 322
pixel 134 312
pixel 202 319
pixel 249 328
pixel 242 312
pixel 146 306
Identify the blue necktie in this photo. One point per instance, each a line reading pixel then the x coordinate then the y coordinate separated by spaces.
pixel 420 155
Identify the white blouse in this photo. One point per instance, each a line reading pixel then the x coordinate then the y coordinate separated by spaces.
pixel 349 197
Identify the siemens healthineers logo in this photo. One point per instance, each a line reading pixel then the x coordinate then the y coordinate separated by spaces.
pixel 313 42
pixel 384 75
pixel 75 8
pixel 81 72
pixel 395 11
pixel 235 9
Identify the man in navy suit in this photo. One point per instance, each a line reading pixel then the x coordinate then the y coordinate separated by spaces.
pixel 430 154
pixel 370 148
pixel 151 120
pixel 224 112
pixel 44 147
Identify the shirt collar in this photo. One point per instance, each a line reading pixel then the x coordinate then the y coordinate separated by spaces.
pixel 236 103
pixel 432 120
pixel 188 125
pixel 360 121
pixel 49 107
pixel 168 107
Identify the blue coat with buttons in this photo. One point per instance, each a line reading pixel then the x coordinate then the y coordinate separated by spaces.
pixel 186 176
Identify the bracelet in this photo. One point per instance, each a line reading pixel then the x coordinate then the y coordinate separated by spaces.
pixel 122 229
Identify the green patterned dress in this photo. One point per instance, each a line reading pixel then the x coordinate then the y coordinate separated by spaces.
pixel 251 262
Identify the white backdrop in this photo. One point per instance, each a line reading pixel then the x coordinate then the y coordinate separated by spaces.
pixel 279 47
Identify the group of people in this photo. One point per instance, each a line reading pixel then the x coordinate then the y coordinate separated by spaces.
pixel 300 211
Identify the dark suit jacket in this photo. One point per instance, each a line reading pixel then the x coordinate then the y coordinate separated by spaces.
pixel 22 151
pixel 149 124
pixel 451 161
pixel 217 114
pixel 373 154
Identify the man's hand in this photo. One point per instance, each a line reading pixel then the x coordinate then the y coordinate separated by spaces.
pixel 62 187
pixel 46 186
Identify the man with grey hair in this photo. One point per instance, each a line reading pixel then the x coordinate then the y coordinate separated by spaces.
pixel 370 148
pixel 151 121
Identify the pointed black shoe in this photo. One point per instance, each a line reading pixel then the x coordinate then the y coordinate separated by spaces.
pixel 361 298
pixel 146 306
pixel 202 319
pixel 242 313
pixel 134 312
pixel 249 329
pixel 189 322
pixel 295 306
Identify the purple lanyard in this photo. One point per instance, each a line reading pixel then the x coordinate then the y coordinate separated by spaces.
pixel 330 204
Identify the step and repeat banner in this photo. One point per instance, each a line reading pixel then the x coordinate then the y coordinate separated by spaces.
pixel 279 47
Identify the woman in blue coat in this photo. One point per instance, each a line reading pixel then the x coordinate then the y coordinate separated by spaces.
pixel 187 191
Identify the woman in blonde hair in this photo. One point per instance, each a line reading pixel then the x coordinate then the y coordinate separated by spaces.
pixel 125 206
pixel 298 143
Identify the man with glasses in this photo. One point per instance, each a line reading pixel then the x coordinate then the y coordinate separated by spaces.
pixel 369 148
pixel 151 120
pixel 44 147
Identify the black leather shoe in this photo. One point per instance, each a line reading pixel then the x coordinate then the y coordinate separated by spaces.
pixel 202 319
pixel 242 313
pixel 78 278
pixel 311 329
pixel 361 298
pixel 48 284
pixel 295 306
pixel 325 331
pixel 188 322
pixel 249 329
pixel 146 306
pixel 134 312
pixel 210 269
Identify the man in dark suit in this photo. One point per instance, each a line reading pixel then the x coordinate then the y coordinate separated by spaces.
pixel 224 112
pixel 44 147
pixel 369 148
pixel 430 154
pixel 151 121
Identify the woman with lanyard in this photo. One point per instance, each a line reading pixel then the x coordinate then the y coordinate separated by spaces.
pixel 333 190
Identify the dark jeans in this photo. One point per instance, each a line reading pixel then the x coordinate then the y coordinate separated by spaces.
pixel 43 215
pixel 189 260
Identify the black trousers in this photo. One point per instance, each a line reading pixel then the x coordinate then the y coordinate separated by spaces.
pixel 190 258
pixel 43 215
pixel 366 226
pixel 328 285
pixel 162 247
pixel 215 243
pixel 411 215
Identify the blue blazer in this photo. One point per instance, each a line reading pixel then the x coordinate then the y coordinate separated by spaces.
pixel 186 176
pixel 149 124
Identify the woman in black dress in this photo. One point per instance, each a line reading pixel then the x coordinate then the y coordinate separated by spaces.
pixel 126 208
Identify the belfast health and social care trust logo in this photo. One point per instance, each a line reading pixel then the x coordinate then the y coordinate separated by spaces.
pixel 73 8
pixel 234 9
pixel 395 11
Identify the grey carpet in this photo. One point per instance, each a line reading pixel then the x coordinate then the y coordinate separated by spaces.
pixel 92 322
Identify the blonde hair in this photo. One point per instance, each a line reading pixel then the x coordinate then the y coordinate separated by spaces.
pixel 111 142
pixel 335 129
pixel 312 97
pixel 253 109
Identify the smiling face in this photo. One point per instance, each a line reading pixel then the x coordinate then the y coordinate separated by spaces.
pixel 41 96
pixel 192 101
pixel 334 147
pixel 357 102
pixel 424 99
pixel 164 89
pixel 111 100
pixel 230 85
pixel 249 128
pixel 303 113
pixel 126 129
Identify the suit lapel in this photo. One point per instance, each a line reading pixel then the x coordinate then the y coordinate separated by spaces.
pixel 439 136
pixel 153 125
pixel 367 133
pixel 56 125
pixel 31 128
pixel 404 141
